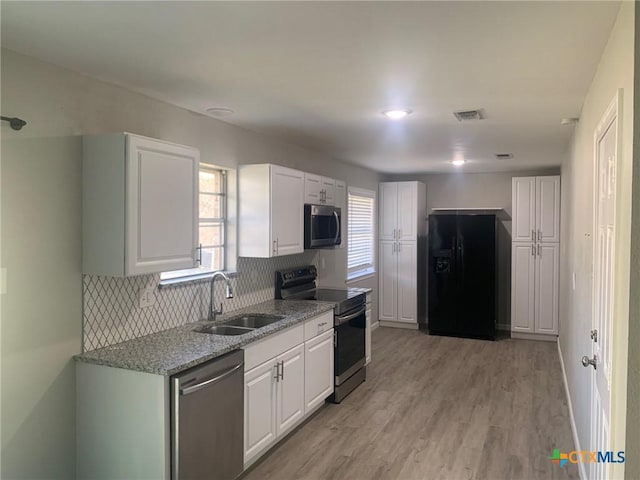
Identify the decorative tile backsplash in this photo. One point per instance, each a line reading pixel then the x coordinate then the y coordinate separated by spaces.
pixel 110 305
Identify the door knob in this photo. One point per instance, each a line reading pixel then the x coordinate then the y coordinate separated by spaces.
pixel 586 361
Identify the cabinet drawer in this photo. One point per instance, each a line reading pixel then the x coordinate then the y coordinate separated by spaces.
pixel 316 325
pixel 272 346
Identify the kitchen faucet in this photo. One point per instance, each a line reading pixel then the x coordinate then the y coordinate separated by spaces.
pixel 229 294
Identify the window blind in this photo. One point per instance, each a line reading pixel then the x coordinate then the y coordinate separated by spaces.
pixel 361 223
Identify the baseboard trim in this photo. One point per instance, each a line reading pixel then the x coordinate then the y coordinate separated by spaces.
pixel 407 326
pixel 534 336
pixel 503 327
pixel 375 325
pixel 574 429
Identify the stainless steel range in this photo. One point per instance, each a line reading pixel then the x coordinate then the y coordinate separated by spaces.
pixel 349 323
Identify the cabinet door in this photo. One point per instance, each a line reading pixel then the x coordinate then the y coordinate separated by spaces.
pixel 367 336
pixel 546 318
pixel 548 209
pixel 161 206
pixel 523 271
pixel 407 213
pixel 318 368
pixel 341 203
pixel 259 409
pixel 287 208
pixel 524 209
pixel 388 208
pixel 388 281
pixel 312 187
pixel 290 403
pixel 329 188
pixel 407 278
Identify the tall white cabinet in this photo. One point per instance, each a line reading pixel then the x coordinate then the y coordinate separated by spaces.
pixel 401 253
pixel 535 257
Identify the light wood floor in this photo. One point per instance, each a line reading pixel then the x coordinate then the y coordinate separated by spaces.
pixel 438 408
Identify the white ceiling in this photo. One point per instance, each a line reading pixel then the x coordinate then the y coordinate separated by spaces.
pixel 320 73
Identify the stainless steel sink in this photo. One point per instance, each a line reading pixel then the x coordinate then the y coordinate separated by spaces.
pixel 223 330
pixel 255 320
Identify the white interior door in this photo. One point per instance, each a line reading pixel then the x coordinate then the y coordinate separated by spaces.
pixel 606 140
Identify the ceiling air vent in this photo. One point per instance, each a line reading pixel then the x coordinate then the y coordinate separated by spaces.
pixel 469 115
pixel 504 156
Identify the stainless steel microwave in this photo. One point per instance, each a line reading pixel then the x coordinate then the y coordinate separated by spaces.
pixel 322 226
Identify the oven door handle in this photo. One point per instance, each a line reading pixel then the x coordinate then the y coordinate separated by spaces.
pixel 345 318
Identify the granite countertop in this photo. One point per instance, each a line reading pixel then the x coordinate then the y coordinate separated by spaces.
pixel 171 351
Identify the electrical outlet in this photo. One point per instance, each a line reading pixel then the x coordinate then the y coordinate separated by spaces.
pixel 146 297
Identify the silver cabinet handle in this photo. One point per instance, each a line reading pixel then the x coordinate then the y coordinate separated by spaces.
pixel 533 235
pixel 586 361
pixel 539 235
pixel 277 246
pixel 282 370
pixel 277 372
pixel 393 248
pixel 533 250
pixel 201 385
pixel 274 247
pixel 322 324
pixel 399 233
pixel 539 250
pixel 199 259
pixel 399 247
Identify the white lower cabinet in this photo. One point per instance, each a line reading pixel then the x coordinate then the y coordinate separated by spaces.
pixel 290 389
pixel 287 376
pixel 318 370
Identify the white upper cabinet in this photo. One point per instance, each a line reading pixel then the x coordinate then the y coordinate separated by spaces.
pixel 140 205
pixel 319 190
pixel 548 209
pixel 523 191
pixel 408 220
pixel 271 200
pixel 536 209
pixel 388 206
pixel 341 203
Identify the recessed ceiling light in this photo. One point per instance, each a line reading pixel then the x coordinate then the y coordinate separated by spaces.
pixel 219 112
pixel 458 162
pixel 396 114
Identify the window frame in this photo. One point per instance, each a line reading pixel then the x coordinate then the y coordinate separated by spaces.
pixel 370 269
pixel 198 273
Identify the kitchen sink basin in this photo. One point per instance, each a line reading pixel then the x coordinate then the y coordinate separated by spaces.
pixel 253 320
pixel 223 330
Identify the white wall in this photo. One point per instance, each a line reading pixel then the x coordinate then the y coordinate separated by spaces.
pixel 481 190
pixel 614 71
pixel 41 236
pixel 632 466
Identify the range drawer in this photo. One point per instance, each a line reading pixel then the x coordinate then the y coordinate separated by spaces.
pixel 317 325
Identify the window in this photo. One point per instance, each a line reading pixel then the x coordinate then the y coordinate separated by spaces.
pixel 212 224
pixel 361 228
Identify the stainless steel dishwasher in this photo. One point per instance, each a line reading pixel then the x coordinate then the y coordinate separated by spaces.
pixel 207 421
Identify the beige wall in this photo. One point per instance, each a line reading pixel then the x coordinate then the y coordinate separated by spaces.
pixel 615 71
pixel 632 470
pixel 41 237
pixel 481 190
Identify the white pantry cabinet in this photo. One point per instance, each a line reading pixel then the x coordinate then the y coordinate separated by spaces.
pixel 271 205
pixel 535 257
pixel 139 205
pixel 401 259
pixel 319 190
pixel 536 209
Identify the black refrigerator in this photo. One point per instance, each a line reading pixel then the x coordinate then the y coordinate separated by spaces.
pixel 463 275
